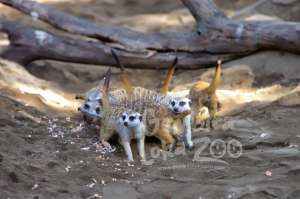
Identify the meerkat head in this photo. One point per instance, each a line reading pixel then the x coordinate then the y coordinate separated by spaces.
pixel 180 104
pixel 91 109
pixel 131 119
pixel 93 106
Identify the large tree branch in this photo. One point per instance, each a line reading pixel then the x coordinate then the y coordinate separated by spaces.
pixel 217 37
pixel 258 34
pixel 28 44
pixel 131 40
pixel 206 13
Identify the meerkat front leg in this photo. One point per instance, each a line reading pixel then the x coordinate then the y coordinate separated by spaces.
pixel 188 132
pixel 140 133
pixel 127 147
pixel 141 148
pixel 124 134
pixel 213 110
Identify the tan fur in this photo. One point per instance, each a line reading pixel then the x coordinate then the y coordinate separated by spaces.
pixel 203 94
pixel 170 128
pixel 168 125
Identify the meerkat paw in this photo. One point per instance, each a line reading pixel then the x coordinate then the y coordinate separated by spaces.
pixel 189 145
pixel 129 160
pixel 105 144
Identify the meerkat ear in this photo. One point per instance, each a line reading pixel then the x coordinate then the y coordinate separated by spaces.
pixel 79 97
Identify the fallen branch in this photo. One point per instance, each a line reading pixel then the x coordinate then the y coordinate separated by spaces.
pixel 28 44
pixel 216 37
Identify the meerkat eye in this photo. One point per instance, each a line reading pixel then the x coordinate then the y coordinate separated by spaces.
pixel 131 118
pixel 97 110
pixel 172 103
pixel 86 106
pixel 182 103
pixel 123 117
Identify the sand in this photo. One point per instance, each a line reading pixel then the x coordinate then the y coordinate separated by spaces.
pixel 46 151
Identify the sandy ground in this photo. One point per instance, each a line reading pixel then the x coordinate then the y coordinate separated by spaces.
pixel 46 151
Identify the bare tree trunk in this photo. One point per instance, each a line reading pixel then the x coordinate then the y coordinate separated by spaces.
pixel 216 37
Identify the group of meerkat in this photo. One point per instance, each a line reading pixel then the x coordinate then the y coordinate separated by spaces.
pixel 136 112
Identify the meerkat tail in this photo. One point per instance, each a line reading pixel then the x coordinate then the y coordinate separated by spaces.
pixel 105 100
pixel 165 87
pixel 217 77
pixel 127 84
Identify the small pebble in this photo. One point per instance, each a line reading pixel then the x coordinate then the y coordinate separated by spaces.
pixel 268 173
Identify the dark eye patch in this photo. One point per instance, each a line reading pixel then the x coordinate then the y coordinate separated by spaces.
pixel 182 103
pixel 131 118
pixel 123 117
pixel 86 106
pixel 172 103
pixel 97 110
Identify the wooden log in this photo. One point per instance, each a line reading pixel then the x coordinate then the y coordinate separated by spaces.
pixel 217 37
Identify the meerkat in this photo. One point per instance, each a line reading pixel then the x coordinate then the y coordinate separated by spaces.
pixel 202 95
pixel 90 111
pixel 179 105
pixel 168 123
pixel 91 106
pixel 183 105
pixel 126 122
pixel 133 128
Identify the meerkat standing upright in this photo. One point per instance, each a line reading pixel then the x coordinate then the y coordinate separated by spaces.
pixel 126 122
pixel 202 95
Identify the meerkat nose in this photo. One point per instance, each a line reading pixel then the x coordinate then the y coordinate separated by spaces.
pixel 126 124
